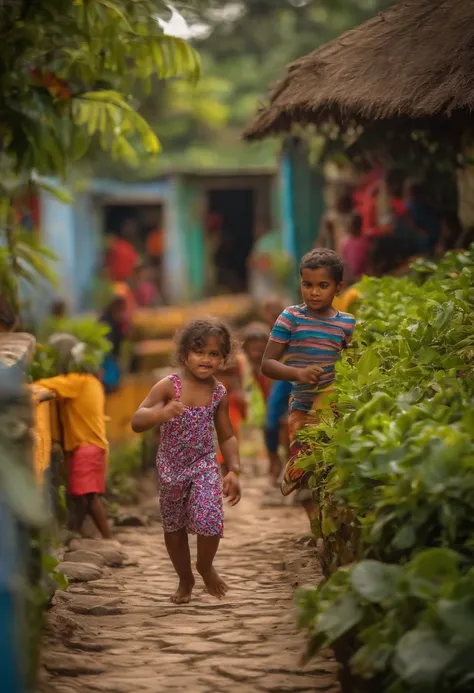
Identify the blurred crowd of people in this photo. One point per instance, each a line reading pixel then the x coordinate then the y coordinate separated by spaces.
pixel 385 221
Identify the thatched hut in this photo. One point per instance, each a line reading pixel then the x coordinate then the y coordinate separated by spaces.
pixel 406 76
pixel 414 61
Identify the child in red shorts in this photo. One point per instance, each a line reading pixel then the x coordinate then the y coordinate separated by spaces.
pixel 81 403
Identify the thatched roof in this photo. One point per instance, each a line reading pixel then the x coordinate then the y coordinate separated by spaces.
pixel 414 60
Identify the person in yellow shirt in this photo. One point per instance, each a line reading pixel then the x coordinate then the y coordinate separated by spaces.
pixel 82 402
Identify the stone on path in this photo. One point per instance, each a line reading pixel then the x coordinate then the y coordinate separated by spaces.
pixel 82 572
pixel 82 556
pixel 111 551
pixel 72 665
pixel 96 606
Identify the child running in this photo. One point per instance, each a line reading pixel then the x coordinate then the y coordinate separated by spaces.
pixel 311 337
pixel 189 406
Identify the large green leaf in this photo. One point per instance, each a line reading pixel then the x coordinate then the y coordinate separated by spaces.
pixel 458 616
pixel 339 618
pixel 421 657
pixel 375 581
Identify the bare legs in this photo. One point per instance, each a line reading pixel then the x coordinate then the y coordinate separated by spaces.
pixel 99 515
pixel 92 504
pixel 206 551
pixel 275 467
pixel 178 549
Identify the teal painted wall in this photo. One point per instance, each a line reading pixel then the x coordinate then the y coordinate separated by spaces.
pixel 189 239
pixel 301 203
pixel 194 237
pixel 308 203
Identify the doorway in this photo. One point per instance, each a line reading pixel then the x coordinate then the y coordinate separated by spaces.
pixel 234 231
pixel 144 227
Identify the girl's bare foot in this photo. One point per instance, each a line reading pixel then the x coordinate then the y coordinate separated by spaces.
pixel 184 591
pixel 215 585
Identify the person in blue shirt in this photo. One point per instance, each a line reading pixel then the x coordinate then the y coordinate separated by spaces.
pixel 423 216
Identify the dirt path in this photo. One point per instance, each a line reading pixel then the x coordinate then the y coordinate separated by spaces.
pixel 121 634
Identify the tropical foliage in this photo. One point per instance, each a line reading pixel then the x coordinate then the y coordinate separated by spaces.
pixel 395 483
pixel 67 72
pixel 244 47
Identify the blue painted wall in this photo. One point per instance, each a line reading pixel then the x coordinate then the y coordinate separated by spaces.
pixel 302 200
pixel 57 221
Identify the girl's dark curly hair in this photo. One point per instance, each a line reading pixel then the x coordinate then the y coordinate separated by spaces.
pixel 196 333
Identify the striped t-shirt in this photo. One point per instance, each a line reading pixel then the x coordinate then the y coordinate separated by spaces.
pixel 312 341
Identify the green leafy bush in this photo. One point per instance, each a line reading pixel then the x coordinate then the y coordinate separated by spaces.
pixel 409 628
pixel 125 462
pixel 394 476
pixel 86 330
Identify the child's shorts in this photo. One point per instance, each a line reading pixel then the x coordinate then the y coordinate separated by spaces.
pixel 293 477
pixel 193 499
pixel 87 466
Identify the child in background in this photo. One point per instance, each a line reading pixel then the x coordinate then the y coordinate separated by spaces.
pixel 116 318
pixel 143 287
pixel 256 385
pixel 310 337
pixel 231 374
pixel 188 406
pixel 355 251
pixel 81 403
pixel 278 400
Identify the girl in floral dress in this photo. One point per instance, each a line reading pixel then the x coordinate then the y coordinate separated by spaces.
pixel 188 406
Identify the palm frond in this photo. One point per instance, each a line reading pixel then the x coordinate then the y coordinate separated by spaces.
pixel 107 114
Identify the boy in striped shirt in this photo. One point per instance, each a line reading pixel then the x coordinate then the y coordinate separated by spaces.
pixel 310 337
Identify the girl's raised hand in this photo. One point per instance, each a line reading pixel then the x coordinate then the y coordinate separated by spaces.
pixel 231 486
pixel 173 409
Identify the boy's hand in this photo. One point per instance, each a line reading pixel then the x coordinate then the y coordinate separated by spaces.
pixel 310 375
pixel 173 409
pixel 231 486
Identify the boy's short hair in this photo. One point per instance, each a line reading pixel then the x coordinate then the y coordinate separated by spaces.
pixel 323 257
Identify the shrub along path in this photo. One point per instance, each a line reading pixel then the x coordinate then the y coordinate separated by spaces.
pixel 121 633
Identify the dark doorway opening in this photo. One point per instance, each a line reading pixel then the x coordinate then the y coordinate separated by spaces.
pixel 235 236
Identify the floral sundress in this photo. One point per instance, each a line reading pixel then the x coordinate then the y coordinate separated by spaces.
pixel 188 471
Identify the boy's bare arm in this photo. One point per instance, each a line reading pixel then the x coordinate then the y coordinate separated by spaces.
pixel 272 368
pixel 159 406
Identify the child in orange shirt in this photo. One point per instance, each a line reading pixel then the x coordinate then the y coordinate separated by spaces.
pixel 81 401
pixel 232 378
